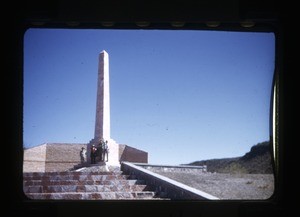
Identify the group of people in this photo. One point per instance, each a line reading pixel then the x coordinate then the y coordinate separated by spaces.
pixel 100 150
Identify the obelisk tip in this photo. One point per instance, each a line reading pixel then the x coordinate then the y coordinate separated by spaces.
pixel 104 52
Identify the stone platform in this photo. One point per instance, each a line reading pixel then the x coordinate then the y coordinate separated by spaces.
pixel 98 167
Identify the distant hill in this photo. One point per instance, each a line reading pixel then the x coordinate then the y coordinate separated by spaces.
pixel 256 161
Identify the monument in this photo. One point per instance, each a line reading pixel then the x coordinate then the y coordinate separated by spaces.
pixel 102 122
pixel 53 157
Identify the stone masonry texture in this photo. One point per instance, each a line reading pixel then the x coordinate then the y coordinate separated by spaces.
pixel 51 157
pixel 56 157
pixel 34 159
pixel 130 154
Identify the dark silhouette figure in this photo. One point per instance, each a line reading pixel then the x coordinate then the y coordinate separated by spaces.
pixel 99 152
pixel 93 154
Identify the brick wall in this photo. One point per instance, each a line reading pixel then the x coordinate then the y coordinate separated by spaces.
pixel 52 157
pixel 34 159
pixel 130 154
pixel 62 156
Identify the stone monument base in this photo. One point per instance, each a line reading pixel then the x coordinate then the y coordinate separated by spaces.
pixel 97 167
pixel 113 152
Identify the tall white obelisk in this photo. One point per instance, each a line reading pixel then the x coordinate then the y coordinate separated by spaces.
pixel 102 122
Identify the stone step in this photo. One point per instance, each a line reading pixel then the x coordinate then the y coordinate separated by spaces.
pixel 82 182
pixel 86 185
pixel 93 195
pixel 39 174
pixel 83 188
pixel 79 177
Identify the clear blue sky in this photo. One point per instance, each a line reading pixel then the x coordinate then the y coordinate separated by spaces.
pixel 181 96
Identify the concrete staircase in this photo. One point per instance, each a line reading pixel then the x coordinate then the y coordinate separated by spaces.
pixel 82 185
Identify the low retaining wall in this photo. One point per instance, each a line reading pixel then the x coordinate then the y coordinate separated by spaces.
pixel 130 154
pixel 165 186
pixel 170 168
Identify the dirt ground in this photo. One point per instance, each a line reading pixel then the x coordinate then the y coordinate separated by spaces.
pixel 228 186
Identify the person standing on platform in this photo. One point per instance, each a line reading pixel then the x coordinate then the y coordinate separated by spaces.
pixel 83 155
pixel 93 154
pixel 105 150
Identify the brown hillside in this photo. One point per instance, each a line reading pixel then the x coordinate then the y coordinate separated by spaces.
pixel 257 161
